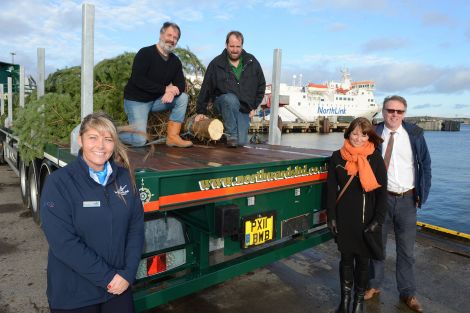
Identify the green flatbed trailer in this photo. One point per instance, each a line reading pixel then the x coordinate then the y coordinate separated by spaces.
pixel 211 213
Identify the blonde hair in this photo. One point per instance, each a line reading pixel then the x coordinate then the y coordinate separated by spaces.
pixel 102 122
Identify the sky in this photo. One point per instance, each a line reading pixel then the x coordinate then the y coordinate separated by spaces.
pixel 417 49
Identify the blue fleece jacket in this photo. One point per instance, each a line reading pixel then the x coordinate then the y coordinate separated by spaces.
pixel 93 231
pixel 422 160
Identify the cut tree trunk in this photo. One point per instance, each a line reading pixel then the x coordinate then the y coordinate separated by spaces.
pixel 211 129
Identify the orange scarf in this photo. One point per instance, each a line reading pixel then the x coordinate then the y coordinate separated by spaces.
pixel 356 161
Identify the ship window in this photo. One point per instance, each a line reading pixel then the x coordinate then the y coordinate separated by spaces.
pixel 298 103
pixel 322 99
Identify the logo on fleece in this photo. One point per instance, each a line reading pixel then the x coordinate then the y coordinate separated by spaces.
pixel 121 191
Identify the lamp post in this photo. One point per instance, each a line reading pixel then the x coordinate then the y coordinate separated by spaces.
pixel 12 57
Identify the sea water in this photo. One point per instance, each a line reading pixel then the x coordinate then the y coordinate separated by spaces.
pixel 448 204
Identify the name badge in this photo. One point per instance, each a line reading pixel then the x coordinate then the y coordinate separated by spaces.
pixel 91 204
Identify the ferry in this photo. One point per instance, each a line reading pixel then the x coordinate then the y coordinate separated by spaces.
pixel 344 100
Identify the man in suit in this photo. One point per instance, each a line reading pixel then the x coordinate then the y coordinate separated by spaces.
pixel 408 165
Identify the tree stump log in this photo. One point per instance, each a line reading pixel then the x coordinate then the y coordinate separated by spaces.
pixel 208 129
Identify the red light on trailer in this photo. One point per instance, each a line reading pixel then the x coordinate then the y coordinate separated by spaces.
pixel 323 216
pixel 156 264
pixel 319 217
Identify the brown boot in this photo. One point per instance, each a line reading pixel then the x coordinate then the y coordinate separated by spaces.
pixel 412 303
pixel 173 138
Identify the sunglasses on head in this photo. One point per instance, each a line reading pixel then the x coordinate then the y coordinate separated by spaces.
pixel 391 111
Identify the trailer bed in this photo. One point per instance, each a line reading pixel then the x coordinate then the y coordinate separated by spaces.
pixel 164 158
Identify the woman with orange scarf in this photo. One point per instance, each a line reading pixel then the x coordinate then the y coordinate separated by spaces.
pixel 360 208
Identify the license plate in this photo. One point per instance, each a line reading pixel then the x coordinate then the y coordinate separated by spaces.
pixel 258 230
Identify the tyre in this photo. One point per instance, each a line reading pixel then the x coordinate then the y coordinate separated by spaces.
pixel 33 176
pixel 24 184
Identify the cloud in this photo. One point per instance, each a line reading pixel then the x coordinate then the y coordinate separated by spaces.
pixel 467 32
pixel 132 15
pixel 444 45
pixel 436 19
pixel 189 14
pixel 382 44
pixel 303 7
pixel 296 7
pixel 426 106
pixel 390 75
pixel 16 27
pixel 349 59
pixel 223 16
pixel 336 27
pixel 56 27
pixel 461 106
pixel 453 80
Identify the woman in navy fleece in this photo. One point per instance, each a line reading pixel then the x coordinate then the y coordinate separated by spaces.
pixel 92 216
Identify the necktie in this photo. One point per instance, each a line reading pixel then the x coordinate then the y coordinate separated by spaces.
pixel 388 151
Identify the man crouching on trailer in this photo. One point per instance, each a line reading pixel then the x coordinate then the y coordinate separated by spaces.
pixel 156 84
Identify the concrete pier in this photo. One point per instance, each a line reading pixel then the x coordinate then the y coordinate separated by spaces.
pixel 306 282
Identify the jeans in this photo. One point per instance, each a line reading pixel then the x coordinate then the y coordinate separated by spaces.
pixel 137 115
pixel 236 123
pixel 402 216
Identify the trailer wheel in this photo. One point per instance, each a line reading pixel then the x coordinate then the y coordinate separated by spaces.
pixel 24 185
pixel 33 176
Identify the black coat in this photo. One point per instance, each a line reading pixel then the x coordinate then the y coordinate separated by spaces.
pixel 356 208
pixel 220 79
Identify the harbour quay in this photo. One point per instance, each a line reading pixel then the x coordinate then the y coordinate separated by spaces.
pixel 321 124
pixel 340 123
pixel 436 124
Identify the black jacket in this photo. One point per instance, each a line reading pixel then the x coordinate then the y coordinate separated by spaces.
pixel 220 79
pixel 356 208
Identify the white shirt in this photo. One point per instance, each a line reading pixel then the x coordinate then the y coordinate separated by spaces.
pixel 401 174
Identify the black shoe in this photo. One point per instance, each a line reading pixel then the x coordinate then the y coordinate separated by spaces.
pixel 346 279
pixel 232 143
pixel 358 305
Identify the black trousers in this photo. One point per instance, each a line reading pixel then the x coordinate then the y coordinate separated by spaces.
pixel 124 303
pixel 358 262
pixel 360 265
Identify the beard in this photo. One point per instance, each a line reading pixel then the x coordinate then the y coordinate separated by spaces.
pixel 234 56
pixel 167 47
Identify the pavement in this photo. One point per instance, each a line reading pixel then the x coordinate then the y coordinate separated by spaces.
pixel 306 282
